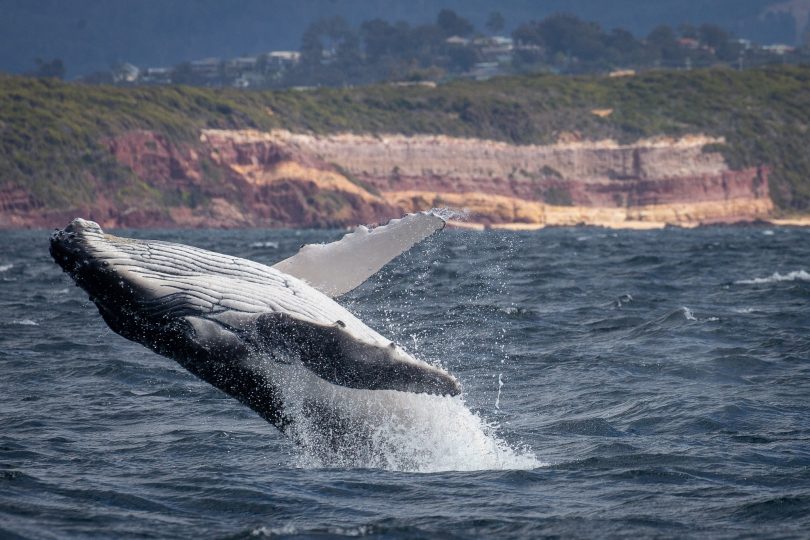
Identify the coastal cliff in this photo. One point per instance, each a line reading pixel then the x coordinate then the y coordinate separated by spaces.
pixel 249 178
pixel 652 182
pixel 680 148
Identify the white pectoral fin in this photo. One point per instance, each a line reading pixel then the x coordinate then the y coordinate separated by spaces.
pixel 341 266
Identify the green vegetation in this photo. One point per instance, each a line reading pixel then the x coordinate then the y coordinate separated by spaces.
pixel 334 53
pixel 51 132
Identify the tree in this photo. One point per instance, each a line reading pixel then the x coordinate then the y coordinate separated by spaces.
pixel 451 24
pixel 720 42
pixel 623 41
pixel 311 47
pixel 623 48
pixel 712 35
pixel 495 23
pixel 565 34
pixel 664 45
pixel 379 38
pixel 461 58
pixel 661 36
pixel 183 74
pixel 324 35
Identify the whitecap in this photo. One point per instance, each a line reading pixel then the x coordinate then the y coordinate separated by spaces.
pixel 25 322
pixel 6 267
pixel 776 277
pixel 622 300
pixel 269 244
pixel 745 310
pixel 274 531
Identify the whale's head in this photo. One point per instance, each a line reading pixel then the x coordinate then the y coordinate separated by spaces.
pixel 111 270
pixel 73 247
pixel 84 252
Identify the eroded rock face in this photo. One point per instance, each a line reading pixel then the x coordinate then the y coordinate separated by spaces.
pixel 283 179
pixel 662 180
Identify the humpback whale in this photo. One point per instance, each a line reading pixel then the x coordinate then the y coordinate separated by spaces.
pixel 251 330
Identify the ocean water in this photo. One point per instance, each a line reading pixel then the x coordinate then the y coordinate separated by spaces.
pixel 616 384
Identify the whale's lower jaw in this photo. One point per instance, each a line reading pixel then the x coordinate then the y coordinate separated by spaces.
pixel 229 321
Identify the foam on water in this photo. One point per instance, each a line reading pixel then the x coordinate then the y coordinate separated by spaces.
pixel 267 244
pixel 335 426
pixel 776 277
pixel 424 434
pixel 743 310
pixel 6 267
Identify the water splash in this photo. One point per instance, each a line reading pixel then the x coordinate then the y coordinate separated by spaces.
pixel 398 431
pixel 622 300
pixel 776 277
pixel 688 314
pixel 448 214
pixel 498 397
pixel 335 426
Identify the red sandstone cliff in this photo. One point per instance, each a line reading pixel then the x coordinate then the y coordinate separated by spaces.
pixel 653 182
pixel 248 178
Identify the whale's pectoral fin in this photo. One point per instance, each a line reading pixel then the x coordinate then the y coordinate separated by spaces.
pixel 339 267
pixel 336 356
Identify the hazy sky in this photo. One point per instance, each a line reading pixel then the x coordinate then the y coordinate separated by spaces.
pixel 91 35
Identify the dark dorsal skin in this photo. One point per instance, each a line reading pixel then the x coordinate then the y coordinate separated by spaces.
pixel 203 347
pixel 222 317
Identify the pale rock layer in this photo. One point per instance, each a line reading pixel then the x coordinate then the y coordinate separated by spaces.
pixel 284 179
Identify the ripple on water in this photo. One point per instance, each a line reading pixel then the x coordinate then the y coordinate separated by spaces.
pixel 665 387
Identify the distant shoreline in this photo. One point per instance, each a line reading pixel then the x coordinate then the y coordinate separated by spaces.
pixel 793 222
pixel 633 225
pixel 676 148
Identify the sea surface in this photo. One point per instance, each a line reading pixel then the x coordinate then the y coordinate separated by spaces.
pixel 616 384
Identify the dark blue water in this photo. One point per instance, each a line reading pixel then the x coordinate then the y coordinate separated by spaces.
pixel 651 383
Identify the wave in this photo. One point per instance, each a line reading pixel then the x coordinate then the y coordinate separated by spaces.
pixel 776 277
pixel 268 244
pixel 6 267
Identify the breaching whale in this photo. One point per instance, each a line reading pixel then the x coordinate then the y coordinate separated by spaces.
pixel 249 329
